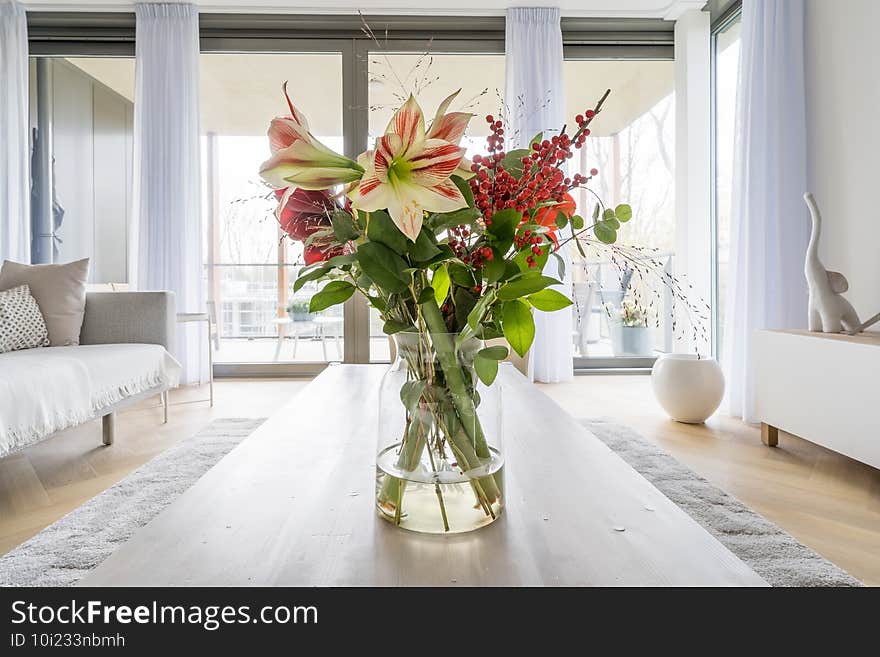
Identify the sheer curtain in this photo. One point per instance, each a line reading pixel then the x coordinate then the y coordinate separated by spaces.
pixel 14 149
pixel 168 244
pixel 535 98
pixel 770 224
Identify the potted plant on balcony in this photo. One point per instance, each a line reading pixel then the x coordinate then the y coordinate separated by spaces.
pixel 631 334
pixel 299 311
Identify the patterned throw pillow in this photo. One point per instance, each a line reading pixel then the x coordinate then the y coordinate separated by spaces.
pixel 21 323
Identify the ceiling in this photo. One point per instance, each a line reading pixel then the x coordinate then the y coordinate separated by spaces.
pixel 669 9
pixel 241 92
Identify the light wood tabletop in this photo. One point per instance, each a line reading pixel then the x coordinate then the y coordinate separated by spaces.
pixel 293 506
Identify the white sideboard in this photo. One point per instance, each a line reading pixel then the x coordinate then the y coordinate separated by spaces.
pixel 822 387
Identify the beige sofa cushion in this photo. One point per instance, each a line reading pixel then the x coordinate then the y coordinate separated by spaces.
pixel 60 291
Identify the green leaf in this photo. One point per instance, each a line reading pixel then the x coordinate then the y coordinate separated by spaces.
pixel 381 229
pixel 425 295
pixel 465 188
pixel 486 368
pixel 512 161
pixel 391 327
pixel 342 260
pixel 623 212
pixel 518 325
pixel 538 138
pixel 424 247
pixel 377 303
pixel 503 228
pixel 561 220
pixel 411 392
pixel 461 275
pixel 604 233
pixel 312 275
pixel 494 269
pixel 331 294
pixel 384 266
pixel 611 223
pixel 343 226
pixel 549 300
pixel 608 214
pixel 527 284
pixel 497 352
pixel 476 315
pixel 442 221
pixel 577 222
pixel 464 304
pixel 440 282
pixel 596 213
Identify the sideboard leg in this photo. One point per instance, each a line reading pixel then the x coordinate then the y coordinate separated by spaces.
pixel 769 435
pixel 108 428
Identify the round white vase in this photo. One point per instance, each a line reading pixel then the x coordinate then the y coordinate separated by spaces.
pixel 689 389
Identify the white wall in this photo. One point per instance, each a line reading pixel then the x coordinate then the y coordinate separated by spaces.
pixel 843 127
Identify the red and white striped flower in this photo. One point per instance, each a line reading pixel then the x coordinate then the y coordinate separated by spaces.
pixel 408 172
pixel 299 161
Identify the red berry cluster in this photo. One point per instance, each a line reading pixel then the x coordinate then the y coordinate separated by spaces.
pixel 526 238
pixel 540 178
pixel 458 242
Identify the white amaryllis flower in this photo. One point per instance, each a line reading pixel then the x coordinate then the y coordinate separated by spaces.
pixel 299 161
pixel 408 172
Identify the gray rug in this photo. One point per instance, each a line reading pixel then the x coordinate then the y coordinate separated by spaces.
pixel 772 553
pixel 66 551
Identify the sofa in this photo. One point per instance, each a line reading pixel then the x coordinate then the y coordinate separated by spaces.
pixel 123 356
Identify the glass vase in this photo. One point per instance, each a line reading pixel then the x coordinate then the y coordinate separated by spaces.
pixel 439 464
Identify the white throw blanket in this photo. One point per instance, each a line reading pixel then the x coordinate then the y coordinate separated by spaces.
pixel 46 390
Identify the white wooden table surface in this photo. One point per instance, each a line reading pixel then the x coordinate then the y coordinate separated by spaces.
pixel 293 506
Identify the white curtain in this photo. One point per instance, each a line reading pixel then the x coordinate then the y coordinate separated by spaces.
pixel 534 95
pixel 14 143
pixel 168 236
pixel 770 223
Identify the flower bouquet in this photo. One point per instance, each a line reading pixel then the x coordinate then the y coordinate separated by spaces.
pixel 451 253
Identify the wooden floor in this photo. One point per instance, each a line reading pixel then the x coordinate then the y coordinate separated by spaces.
pixel 827 501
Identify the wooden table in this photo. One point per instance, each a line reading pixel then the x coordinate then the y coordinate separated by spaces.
pixel 293 506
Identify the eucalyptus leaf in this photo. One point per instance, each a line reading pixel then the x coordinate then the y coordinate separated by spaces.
pixel 560 265
pixel 596 213
pixel 623 212
pixel 333 293
pixel 577 222
pixel 605 234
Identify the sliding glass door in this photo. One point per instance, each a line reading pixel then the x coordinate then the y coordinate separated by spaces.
pixel 726 53
pixel 250 266
pixel 622 319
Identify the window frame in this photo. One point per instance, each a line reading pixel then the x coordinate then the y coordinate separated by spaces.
pixel 727 19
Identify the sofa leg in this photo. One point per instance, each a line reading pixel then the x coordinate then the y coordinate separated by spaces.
pixel 108 428
pixel 769 435
pixel 165 407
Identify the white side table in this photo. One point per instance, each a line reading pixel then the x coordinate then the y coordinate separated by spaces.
pixel 184 318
